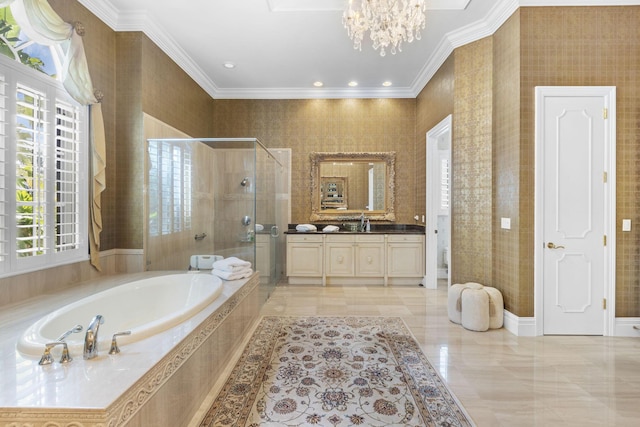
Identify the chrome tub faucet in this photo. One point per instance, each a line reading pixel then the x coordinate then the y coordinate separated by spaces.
pixel 91 337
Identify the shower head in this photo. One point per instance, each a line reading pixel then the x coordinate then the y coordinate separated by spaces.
pixel 245 181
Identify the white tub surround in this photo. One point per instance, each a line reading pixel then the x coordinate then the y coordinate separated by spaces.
pixel 143 307
pixel 159 380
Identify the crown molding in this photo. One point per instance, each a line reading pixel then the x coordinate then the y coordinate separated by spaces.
pixel 313 93
pixel 139 21
pixel 501 11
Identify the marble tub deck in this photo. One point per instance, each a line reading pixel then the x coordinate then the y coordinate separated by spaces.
pixel 110 389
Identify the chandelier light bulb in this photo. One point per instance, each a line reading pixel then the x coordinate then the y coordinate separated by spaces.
pixel 389 23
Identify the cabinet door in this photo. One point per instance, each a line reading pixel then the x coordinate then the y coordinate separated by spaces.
pixel 370 259
pixel 339 259
pixel 404 260
pixel 304 258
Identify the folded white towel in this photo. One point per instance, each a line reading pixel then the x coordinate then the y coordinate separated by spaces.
pixel 231 264
pixel 330 229
pixel 232 275
pixel 306 227
pixel 259 227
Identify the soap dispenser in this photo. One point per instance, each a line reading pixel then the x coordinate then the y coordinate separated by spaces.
pixel 368 226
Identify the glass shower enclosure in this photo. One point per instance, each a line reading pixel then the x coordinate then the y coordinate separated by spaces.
pixel 213 197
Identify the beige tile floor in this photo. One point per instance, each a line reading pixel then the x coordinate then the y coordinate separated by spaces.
pixel 501 379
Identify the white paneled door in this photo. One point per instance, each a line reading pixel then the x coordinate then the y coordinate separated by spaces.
pixel 574 179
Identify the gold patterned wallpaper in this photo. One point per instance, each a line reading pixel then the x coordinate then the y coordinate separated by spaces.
pixel 597 46
pixel 333 125
pixel 491 83
pixel 488 85
pixel 471 164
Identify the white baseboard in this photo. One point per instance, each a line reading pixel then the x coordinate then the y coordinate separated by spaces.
pixel 624 327
pixel 520 326
pixel 526 326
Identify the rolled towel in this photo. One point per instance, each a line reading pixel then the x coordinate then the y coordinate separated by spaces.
pixel 306 227
pixel 331 229
pixel 232 275
pixel 231 264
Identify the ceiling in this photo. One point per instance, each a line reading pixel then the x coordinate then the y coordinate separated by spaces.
pixel 281 47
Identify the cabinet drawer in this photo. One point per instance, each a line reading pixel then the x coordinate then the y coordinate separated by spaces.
pixel 370 238
pixel 302 238
pixel 340 238
pixel 397 238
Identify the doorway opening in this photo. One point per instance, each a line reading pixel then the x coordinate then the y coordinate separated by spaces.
pixel 438 209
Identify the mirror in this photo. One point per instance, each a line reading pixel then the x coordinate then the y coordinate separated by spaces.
pixel 344 185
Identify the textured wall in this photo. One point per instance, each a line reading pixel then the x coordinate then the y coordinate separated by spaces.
pixel 516 286
pixel 433 104
pixel 148 81
pixel 597 46
pixel 335 125
pixel 472 151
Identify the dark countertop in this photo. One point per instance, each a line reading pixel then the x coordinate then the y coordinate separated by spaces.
pixel 375 229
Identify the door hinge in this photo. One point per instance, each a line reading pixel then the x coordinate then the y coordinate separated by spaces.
pixel 604 303
pixel 605 113
pixel 604 177
pixel 605 240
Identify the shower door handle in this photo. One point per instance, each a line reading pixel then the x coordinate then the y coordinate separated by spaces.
pixel 552 245
pixel 275 231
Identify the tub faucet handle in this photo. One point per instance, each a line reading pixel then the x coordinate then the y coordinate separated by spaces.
pixel 47 359
pixel 66 357
pixel 114 344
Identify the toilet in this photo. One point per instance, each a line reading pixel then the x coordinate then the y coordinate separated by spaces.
pixel 445 255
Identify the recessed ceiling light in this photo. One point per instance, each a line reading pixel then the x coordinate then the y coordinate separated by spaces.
pixel 353 84
pixel 318 84
pixel 387 83
pixel 229 65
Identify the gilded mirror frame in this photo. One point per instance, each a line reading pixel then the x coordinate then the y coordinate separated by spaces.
pixel 387 157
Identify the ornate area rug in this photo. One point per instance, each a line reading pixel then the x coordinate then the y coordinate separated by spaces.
pixel 334 371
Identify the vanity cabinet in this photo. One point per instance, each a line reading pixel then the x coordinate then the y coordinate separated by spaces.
pixel 305 257
pixel 263 256
pixel 370 250
pixel 405 257
pixel 339 255
pixel 357 259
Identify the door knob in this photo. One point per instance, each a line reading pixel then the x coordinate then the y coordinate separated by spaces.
pixel 552 245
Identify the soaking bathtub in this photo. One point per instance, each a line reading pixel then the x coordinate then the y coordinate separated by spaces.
pixel 144 307
pixel 159 380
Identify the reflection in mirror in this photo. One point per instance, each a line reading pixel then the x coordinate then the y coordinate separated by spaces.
pixel 344 185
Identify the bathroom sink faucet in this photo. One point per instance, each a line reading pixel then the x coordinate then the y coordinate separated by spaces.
pixel 362 222
pixel 91 337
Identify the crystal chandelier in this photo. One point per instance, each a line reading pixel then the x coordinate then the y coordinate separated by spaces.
pixel 390 22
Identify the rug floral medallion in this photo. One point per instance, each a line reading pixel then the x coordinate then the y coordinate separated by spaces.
pixel 334 372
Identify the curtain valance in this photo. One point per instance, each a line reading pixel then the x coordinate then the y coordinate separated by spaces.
pixel 43 25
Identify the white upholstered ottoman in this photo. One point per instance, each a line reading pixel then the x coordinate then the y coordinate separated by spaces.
pixel 476 307
pixel 454 302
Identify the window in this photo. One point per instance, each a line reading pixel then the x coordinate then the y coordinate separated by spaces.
pixel 170 178
pixel 43 172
